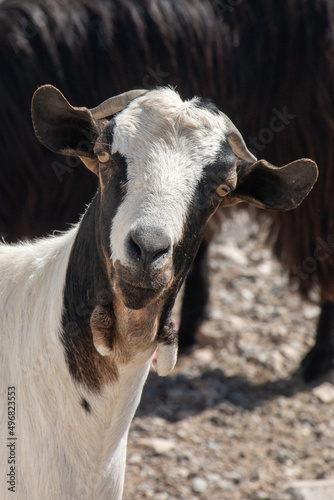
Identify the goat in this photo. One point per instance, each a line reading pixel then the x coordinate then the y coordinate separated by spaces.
pixel 98 297
pixel 235 54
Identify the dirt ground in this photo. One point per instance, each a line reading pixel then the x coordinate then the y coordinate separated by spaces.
pixel 234 420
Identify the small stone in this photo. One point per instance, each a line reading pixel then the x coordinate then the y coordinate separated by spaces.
pixel 146 488
pixel 234 476
pixel 277 361
pixel 181 433
pixel 163 495
pixel 213 478
pixel 262 495
pixel 324 392
pixel 218 420
pixel 311 490
pixel 290 352
pixel 235 322
pixel 234 254
pixel 247 294
pixel 208 336
pixel 265 268
pixel 135 458
pixel 214 447
pixel 224 484
pixel 311 311
pixel 199 485
pixel 159 445
pixel 204 356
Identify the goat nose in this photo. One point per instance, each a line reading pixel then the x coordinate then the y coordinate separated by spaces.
pixel 150 245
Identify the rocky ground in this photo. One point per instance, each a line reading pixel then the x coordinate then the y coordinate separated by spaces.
pixel 234 420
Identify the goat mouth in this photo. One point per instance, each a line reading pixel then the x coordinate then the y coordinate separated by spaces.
pixel 150 281
pixel 136 296
pixel 139 289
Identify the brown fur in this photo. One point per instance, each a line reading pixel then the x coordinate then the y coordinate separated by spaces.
pixel 101 323
pixel 136 331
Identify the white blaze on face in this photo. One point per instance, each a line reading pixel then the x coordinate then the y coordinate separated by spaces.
pixel 166 143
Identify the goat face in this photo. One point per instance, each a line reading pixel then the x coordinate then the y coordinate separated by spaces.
pixel 170 150
pixel 165 166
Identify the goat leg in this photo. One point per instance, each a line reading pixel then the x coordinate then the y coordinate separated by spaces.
pixel 320 359
pixel 195 299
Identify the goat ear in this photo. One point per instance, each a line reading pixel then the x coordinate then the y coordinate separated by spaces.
pixel 273 188
pixel 63 128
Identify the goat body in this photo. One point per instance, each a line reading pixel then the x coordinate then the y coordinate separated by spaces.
pixel 82 313
pixel 67 438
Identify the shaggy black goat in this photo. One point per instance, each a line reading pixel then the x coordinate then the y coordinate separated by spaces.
pixel 268 64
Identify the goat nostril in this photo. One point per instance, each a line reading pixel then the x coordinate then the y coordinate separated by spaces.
pixel 135 249
pixel 148 245
pixel 160 253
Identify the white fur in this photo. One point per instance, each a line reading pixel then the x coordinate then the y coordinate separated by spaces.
pixel 62 452
pixel 166 358
pixel 162 178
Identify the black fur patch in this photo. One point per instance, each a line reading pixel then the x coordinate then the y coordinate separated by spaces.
pixel 86 406
pixel 207 104
pixel 88 285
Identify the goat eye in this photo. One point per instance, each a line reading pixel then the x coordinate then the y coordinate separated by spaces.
pixel 223 190
pixel 103 157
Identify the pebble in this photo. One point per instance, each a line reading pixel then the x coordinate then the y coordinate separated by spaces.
pixel 234 254
pixel 290 352
pixel 236 322
pixel 158 445
pixel 199 485
pixel 311 311
pixel 310 490
pixel 214 338
pixel 214 447
pixel 162 496
pixel 262 495
pixel 181 433
pixel 324 392
pixel 247 294
pixel 134 458
pixel 204 356
pixel 225 485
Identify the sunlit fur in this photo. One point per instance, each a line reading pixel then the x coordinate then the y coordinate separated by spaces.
pixel 70 452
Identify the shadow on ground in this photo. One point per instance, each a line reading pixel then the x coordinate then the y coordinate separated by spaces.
pixel 177 397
